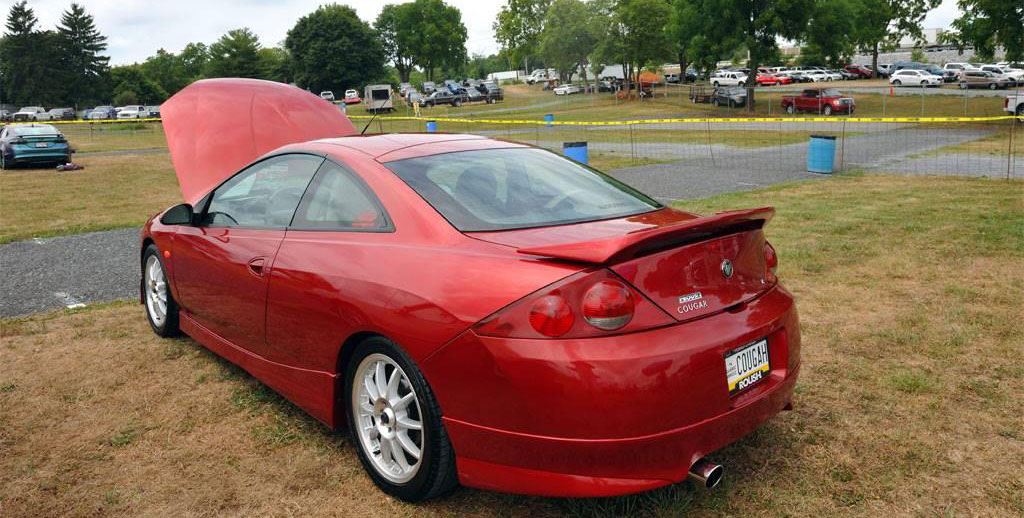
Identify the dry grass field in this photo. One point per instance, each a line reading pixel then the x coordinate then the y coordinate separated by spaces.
pixel 909 403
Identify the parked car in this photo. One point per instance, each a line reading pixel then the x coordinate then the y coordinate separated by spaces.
pixel 454 87
pixel 154 111
pixel 948 76
pixel 914 77
pixel 5 115
pixel 327 95
pixel 403 88
pixel 796 76
pixel 492 91
pixel 62 114
pixel 766 79
pixel 540 75
pixel 429 87
pixel 132 112
pixel 568 89
pixel 32 144
pixel 413 97
pixel 1012 76
pixel 884 70
pixel 574 337
pixel 730 96
pixel 861 71
pixel 959 67
pixel 729 79
pixel 1014 105
pixel 983 79
pixel 825 101
pixel 102 113
pixel 31 114
pixel 442 96
pixel 352 97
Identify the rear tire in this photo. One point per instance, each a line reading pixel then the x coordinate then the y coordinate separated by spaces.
pixel 897 82
pixel 992 86
pixel 378 424
pixel 161 309
pixel 827 110
pixel 791 109
pixel 963 86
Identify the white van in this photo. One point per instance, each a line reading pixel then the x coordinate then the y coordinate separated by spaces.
pixel 378 98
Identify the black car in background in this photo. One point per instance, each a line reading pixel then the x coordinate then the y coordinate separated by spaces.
pixel 491 91
pixel 441 96
pixel 730 96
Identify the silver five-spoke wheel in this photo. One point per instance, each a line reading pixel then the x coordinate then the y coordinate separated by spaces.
pixel 388 418
pixel 156 290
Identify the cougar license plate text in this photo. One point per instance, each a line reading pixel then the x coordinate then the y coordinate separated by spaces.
pixel 746 366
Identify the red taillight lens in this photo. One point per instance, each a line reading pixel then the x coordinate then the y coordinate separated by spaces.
pixel 608 305
pixel 551 316
pixel 771 260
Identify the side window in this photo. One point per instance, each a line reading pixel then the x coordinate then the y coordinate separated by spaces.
pixel 338 200
pixel 264 195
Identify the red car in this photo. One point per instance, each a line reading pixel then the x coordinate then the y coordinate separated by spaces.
pixel 772 80
pixel 474 311
pixel 860 70
pixel 819 100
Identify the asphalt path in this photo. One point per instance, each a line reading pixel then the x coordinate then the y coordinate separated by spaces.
pixel 68 271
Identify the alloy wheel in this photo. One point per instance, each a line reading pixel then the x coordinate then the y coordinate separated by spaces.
pixel 388 418
pixel 156 291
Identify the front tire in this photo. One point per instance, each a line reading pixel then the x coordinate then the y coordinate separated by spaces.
pixel 992 86
pixel 161 309
pixel 396 423
pixel 897 82
pixel 828 110
pixel 791 109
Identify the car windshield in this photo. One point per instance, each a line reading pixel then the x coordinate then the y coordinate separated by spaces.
pixel 503 189
pixel 36 129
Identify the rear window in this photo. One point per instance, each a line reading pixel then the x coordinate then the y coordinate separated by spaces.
pixel 36 129
pixel 503 189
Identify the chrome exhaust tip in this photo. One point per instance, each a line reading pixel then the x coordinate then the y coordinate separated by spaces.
pixel 706 474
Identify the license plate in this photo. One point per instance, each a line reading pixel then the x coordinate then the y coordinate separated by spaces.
pixel 42 144
pixel 746 366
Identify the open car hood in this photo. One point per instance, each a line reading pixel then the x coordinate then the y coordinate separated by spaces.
pixel 215 127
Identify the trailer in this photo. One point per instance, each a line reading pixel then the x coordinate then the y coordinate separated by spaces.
pixel 378 98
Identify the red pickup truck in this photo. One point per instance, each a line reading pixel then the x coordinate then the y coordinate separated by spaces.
pixel 819 100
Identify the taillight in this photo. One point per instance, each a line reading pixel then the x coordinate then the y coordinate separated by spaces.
pixel 586 304
pixel 771 261
pixel 551 316
pixel 608 305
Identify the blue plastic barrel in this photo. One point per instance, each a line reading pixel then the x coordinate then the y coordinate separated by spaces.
pixel 431 127
pixel 549 118
pixel 576 151
pixel 821 154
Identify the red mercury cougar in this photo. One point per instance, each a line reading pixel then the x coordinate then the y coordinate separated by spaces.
pixel 473 310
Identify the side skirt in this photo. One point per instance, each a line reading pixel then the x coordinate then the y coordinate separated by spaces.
pixel 312 391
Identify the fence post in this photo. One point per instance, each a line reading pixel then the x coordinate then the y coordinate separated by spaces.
pixel 842 148
pixel 884 95
pixel 922 99
pixel 1009 150
pixel 632 146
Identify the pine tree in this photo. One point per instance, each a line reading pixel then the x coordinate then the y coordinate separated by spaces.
pixel 20 74
pixel 82 67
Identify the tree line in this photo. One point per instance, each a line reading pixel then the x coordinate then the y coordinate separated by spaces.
pixel 569 34
pixel 328 49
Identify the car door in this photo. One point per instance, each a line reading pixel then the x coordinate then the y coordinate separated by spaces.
pixel 222 264
pixel 326 277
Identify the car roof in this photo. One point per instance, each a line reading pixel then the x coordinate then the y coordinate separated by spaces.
pixel 389 147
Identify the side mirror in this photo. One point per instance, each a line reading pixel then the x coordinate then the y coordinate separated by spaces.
pixel 178 215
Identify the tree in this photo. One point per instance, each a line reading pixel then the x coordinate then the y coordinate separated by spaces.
pixel 194 59
pixel 438 38
pixel 758 24
pixel 20 56
pixel 690 31
pixel 276 65
pixel 518 28
pixel 395 25
pixel 167 70
pixel 80 44
pixel 831 32
pixel 569 37
pixel 883 23
pixel 235 54
pixel 988 24
pixel 332 49
pixel 131 78
pixel 641 26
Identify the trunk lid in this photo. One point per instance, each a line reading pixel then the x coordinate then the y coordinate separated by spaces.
pixel 689 265
pixel 215 127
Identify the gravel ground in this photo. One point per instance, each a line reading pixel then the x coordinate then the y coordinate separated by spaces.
pixel 42 274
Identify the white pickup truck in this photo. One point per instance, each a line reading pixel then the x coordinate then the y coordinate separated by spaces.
pixel 728 78
pixel 1014 105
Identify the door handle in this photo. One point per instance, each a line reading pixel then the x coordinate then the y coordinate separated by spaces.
pixel 256 266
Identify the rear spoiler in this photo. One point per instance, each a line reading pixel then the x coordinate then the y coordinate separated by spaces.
pixel 618 248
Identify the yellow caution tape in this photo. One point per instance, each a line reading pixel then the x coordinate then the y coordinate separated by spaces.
pixel 692 120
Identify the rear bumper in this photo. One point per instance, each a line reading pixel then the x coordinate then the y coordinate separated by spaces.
pixel 609 416
pixel 26 154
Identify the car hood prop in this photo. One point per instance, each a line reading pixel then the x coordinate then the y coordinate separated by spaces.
pixel 215 127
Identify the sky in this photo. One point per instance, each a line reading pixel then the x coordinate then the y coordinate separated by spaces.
pixel 135 29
